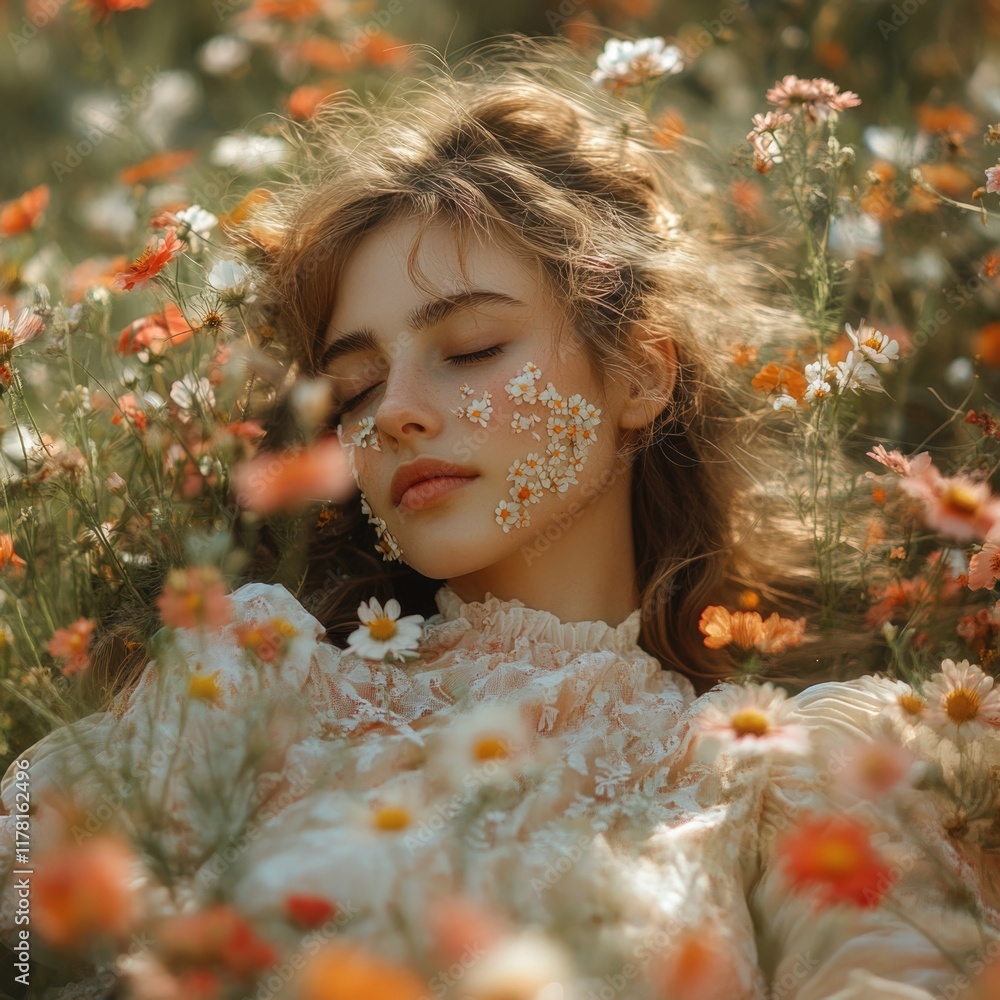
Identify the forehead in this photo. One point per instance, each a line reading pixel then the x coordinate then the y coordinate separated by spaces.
pixel 376 289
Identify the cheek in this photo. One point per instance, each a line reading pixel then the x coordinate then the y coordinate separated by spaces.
pixel 558 432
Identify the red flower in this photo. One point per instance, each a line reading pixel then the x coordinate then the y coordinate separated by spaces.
pixel 23 213
pixel 309 911
pixel 832 856
pixel 103 9
pixel 150 262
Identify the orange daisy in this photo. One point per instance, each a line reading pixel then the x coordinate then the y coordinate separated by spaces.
pixel 150 262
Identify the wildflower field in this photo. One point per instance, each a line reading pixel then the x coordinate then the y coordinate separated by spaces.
pixel 855 146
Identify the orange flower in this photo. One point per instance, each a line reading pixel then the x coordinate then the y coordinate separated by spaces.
pixel 385 50
pixel 747 630
pixel 699 962
pixel 82 892
pixel 744 355
pixel 949 178
pixel 460 925
pixel 669 128
pixel 309 912
pixel 347 972
pixel 243 218
pixel 150 262
pixel 157 166
pixel 94 271
pixel 24 212
pixel 130 409
pixel 273 481
pixel 103 9
pixel 324 54
pixel 304 101
pixel 269 640
pixel 986 344
pixel 833 857
pixel 195 598
pixel 289 10
pixel 8 557
pixel 783 379
pixel 947 118
pixel 155 333
pixel 72 644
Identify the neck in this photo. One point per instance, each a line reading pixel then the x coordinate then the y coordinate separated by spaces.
pixel 581 571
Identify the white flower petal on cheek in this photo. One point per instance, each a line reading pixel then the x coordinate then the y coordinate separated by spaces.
pixel 367 434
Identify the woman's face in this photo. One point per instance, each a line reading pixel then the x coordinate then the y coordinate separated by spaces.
pixel 472 376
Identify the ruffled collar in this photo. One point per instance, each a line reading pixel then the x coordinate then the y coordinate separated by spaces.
pixel 506 621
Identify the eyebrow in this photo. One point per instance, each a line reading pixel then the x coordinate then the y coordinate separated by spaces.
pixel 424 316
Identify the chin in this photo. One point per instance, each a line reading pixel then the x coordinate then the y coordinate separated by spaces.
pixel 453 550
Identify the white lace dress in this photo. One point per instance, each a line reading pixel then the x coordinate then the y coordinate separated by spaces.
pixel 327 774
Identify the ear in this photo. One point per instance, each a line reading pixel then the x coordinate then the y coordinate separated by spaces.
pixel 656 377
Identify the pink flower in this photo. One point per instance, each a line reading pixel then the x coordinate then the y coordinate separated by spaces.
pixel 955 506
pixel 71 645
pixel 14 332
pixel 195 598
pixel 274 481
pixel 893 460
pixel 984 566
pixel 875 768
pixel 993 179
pixel 8 557
pixel 818 98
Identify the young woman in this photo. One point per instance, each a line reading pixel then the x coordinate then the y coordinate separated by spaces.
pixel 524 329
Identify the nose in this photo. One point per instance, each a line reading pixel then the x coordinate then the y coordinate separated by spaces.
pixel 408 408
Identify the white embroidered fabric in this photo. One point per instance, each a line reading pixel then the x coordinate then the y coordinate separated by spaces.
pixel 606 829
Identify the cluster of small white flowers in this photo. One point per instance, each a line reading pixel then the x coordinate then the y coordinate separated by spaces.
pixel 571 428
pixel 367 434
pixel 387 544
pixel 856 372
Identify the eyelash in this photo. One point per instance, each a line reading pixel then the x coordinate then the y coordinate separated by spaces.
pixel 458 359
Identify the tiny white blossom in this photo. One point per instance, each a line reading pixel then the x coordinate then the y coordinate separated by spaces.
pixel 229 277
pixel 874 345
pixel 196 224
pixel 856 373
pixel 383 635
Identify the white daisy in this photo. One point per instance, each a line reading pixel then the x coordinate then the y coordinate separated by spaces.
pixel 521 388
pixel 784 402
pixel 874 345
pixel 520 423
pixel 507 514
pixel 367 434
pixel 550 396
pixel 817 389
pixel 479 410
pixel 487 745
pixel 383 635
pixel 229 277
pixel 749 721
pixel 196 225
pixel 961 702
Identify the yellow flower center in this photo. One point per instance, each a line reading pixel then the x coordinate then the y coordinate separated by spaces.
pixel 6 340
pixel 837 857
pixel 875 343
pixel 911 704
pixel 962 705
pixel 203 687
pixel 382 629
pixel 490 748
pixel 750 722
pixel 961 500
pixel 195 604
pixel 390 818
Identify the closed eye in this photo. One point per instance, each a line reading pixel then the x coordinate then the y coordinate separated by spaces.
pixel 455 359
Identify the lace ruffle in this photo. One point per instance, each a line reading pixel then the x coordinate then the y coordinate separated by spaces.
pixel 504 622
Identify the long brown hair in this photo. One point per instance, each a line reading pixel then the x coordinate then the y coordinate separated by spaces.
pixel 517 146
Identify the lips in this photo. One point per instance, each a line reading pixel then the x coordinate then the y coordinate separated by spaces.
pixel 422 469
